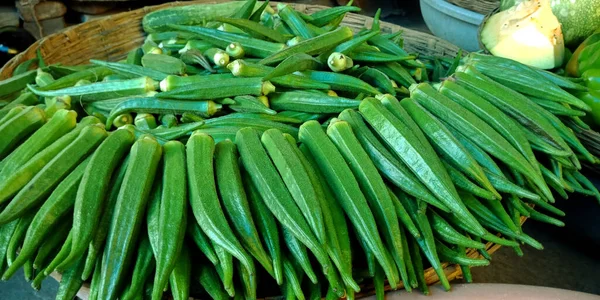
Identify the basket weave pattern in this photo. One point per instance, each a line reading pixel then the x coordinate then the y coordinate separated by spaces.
pixel 112 37
pixel 483 7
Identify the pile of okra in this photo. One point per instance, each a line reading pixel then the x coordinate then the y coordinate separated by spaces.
pixel 243 152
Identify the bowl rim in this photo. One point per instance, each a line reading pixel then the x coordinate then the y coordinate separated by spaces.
pixel 456 12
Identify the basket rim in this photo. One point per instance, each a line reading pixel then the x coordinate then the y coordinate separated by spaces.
pixel 415 35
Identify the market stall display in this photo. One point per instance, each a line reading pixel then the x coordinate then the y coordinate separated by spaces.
pixel 322 161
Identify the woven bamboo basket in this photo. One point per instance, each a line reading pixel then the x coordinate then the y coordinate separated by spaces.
pixel 483 7
pixel 112 37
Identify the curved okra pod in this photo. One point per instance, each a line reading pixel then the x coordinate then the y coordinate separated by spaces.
pixel 451 256
pixel 256 29
pixel 60 256
pixel 538 216
pixel 294 22
pixel 500 212
pixel 252 46
pixel 378 79
pixel 299 254
pixel 267 227
pixel 305 101
pixel 342 82
pixel 556 108
pixel 410 267
pixel 17 237
pixel 250 104
pixel 71 281
pixel 447 233
pixel 172 221
pixel 488 219
pixel 123 69
pixel 587 183
pixel 59 203
pixel 296 179
pixel 517 106
pixel 49 247
pixel 403 215
pixel 209 280
pixel 567 134
pixel 128 214
pixel 277 198
pixel 337 172
pixel 229 87
pixel 522 78
pixel 325 16
pixel 225 268
pixel 311 46
pixel 476 130
pixel 446 144
pixel 338 239
pixel 256 15
pixel 241 68
pixel 195 57
pixel 517 205
pixel 142 269
pixel 102 90
pixel 374 57
pixel 201 240
pixel 156 106
pixel 233 196
pixel 291 278
pixel 394 170
pixel 396 72
pixel 53 172
pixel 24 122
pixel 94 187
pixel 496 118
pixel 294 63
pixel 416 209
pixel 60 124
pixel 420 158
pixel 261 123
pixel 461 181
pixel 418 263
pixel 96 246
pixel 179 281
pixel 373 186
pixel 205 202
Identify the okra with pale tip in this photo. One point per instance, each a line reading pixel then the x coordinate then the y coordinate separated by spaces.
pixel 342 82
pixel 235 50
pixel 241 68
pixel 163 63
pixel 252 46
pixel 256 29
pixel 102 90
pixel 217 56
pixel 315 45
pixel 121 68
pixel 16 83
pixel 339 62
pixel 221 89
pixel 309 102
pixel 157 106
pixel 296 62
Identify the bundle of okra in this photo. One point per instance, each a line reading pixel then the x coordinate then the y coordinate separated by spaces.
pixel 289 166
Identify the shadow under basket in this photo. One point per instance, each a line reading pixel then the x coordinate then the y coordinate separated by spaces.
pixel 111 38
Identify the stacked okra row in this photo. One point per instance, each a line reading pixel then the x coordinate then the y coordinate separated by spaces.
pixel 290 166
